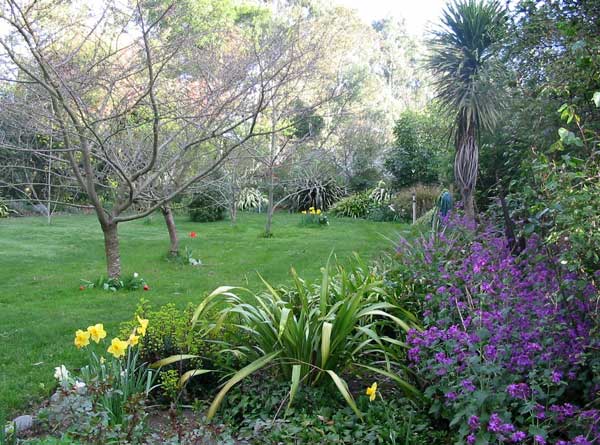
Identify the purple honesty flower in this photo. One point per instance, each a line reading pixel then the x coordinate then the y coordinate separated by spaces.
pixel 580 440
pixel 512 314
pixel 451 396
pixel 556 376
pixel 519 390
pixel 467 384
pixel 473 422
pixel 471 439
pixel 507 428
pixel 495 423
pixel 518 436
pixel 413 354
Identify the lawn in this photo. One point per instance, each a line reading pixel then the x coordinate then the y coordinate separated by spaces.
pixel 41 267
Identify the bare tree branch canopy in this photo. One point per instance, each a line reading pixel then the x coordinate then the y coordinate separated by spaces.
pixel 137 110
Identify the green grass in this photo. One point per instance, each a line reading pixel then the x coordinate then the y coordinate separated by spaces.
pixel 41 266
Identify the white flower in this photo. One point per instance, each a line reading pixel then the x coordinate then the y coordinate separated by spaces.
pixel 135 275
pixel 61 374
pixel 563 262
pixel 79 386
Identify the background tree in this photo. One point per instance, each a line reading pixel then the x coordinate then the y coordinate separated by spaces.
pixel 421 142
pixel 462 49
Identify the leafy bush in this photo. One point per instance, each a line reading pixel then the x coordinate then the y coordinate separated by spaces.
pixel 207 206
pixel 426 196
pixel 353 206
pixel 311 332
pixel 558 194
pixel 420 141
pixel 169 334
pixel 507 353
pixel 168 331
pixel 251 199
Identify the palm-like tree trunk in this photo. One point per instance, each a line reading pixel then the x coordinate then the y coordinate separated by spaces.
pixel 465 169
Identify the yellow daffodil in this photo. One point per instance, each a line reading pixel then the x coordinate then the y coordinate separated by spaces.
pixel 117 347
pixel 102 360
pixel 97 332
pixel 133 339
pixel 372 391
pixel 304 212
pixel 311 208
pixel 143 326
pixel 318 211
pixel 312 212
pixel 82 338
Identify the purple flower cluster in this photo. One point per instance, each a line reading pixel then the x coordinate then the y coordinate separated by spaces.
pixel 525 319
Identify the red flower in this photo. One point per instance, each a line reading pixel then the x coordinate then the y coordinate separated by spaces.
pixel 82 287
pixel 146 287
pixel 193 234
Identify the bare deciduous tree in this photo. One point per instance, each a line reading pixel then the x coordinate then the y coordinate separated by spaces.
pixel 136 111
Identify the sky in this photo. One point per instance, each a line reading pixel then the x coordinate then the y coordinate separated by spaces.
pixel 417 13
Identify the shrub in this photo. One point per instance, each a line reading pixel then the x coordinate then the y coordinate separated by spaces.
pixel 507 353
pixel 426 196
pixel 168 331
pixel 311 332
pixel 420 141
pixel 169 334
pixel 353 206
pixel 207 206
pixel 558 193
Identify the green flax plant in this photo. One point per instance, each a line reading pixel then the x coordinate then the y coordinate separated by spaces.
pixel 310 333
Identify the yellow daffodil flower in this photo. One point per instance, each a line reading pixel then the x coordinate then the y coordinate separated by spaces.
pixel 304 212
pixel 82 338
pixel 97 332
pixel 133 339
pixel 312 212
pixel 143 326
pixel 117 347
pixel 318 211
pixel 102 360
pixel 372 391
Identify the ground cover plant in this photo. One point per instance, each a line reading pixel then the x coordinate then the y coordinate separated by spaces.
pixel 41 267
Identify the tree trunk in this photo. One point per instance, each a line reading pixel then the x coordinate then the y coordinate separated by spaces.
pixel 111 248
pixel 233 213
pixel 469 203
pixel 170 222
pixel 270 208
pixel 466 165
